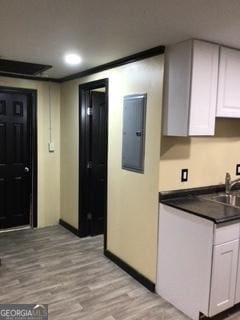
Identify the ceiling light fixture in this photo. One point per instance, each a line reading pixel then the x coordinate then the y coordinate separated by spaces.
pixel 72 59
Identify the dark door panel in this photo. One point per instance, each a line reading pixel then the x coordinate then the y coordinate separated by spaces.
pixel 3 198
pixel 3 144
pixel 15 156
pixel 99 161
pixel 99 201
pixel 93 159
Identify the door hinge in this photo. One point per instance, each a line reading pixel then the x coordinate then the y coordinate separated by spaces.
pixel 89 216
pixel 89 111
pixel 89 165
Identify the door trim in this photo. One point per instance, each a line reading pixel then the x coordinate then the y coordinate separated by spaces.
pixel 32 99
pixel 83 88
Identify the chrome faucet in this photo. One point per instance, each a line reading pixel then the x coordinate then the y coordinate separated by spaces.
pixel 229 184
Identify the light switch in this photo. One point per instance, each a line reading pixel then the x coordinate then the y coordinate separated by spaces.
pixel 51 147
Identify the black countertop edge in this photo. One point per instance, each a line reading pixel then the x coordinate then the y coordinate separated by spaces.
pixel 216 221
pixel 165 195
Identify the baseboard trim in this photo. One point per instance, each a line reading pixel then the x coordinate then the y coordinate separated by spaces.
pixel 69 227
pixel 122 264
pixel 131 271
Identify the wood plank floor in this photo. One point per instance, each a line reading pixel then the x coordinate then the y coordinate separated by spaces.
pixel 53 266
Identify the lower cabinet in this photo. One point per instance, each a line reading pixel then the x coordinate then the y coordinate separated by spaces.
pixel 224 276
pixel 198 268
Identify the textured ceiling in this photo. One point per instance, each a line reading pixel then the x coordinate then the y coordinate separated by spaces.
pixel 42 31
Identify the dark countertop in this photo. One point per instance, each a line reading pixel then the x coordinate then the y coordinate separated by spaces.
pixel 201 206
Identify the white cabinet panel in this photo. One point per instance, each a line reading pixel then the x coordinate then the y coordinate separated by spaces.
pixel 184 260
pixel 226 233
pixel 177 84
pixel 237 293
pixel 190 91
pixel 228 104
pixel 204 88
pixel 224 274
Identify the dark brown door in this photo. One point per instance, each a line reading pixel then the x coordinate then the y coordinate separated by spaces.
pixel 97 158
pixel 93 146
pixel 15 160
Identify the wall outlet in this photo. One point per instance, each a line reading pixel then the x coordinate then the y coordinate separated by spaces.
pixel 51 147
pixel 238 169
pixel 184 175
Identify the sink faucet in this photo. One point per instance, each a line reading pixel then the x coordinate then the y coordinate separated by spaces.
pixel 229 184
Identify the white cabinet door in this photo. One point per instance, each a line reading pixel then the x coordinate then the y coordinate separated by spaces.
pixel 224 275
pixel 190 90
pixel 204 88
pixel 237 294
pixel 177 85
pixel 228 104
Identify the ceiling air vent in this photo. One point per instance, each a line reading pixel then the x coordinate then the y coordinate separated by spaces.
pixel 25 68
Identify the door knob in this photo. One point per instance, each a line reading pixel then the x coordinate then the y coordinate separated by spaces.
pixel 26 169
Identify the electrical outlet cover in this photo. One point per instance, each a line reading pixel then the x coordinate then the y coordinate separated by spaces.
pixel 51 147
pixel 238 169
pixel 184 175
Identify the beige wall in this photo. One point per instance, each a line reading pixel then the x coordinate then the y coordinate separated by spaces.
pixel 48 163
pixel 207 158
pixel 132 197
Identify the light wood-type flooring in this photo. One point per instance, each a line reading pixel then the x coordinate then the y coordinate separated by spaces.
pixel 53 266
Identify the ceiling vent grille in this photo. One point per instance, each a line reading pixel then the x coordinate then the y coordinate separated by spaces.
pixel 24 68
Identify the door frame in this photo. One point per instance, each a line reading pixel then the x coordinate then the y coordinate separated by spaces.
pixel 32 101
pixel 83 147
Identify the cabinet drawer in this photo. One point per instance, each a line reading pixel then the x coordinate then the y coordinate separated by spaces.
pixel 226 233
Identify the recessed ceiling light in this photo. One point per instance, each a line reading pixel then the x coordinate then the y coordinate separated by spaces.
pixel 72 59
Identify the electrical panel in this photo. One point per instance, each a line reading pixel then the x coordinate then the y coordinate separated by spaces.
pixel 134 120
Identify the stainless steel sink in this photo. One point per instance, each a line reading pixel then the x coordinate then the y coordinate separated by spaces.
pixel 232 199
pixel 229 199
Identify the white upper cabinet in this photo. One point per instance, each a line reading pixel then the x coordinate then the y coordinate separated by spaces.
pixel 228 103
pixel 190 92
